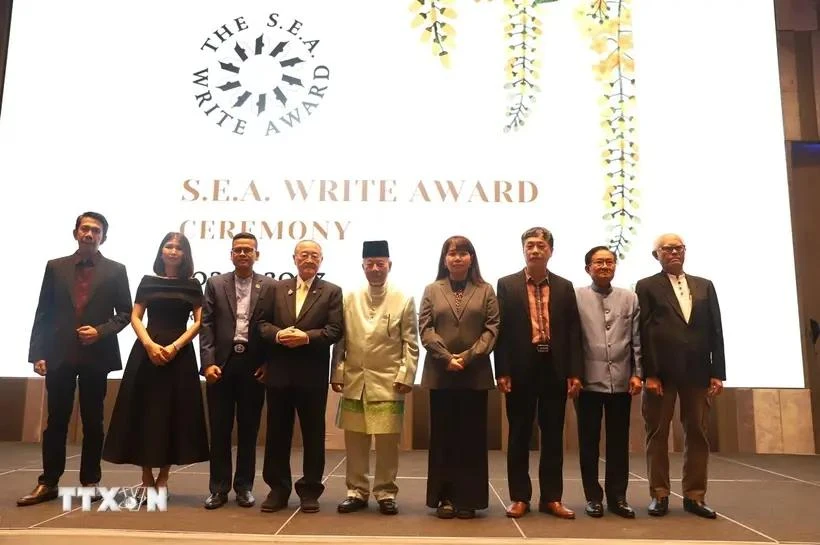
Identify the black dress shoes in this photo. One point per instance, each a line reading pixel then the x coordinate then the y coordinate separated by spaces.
pixel 659 507
pixel 273 503
pixel 594 509
pixel 621 508
pixel 215 501
pixel 309 505
pixel 388 507
pixel 351 504
pixel 699 508
pixel 41 493
pixel 245 499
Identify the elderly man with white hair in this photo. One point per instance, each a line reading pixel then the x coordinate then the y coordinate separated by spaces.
pixel 683 357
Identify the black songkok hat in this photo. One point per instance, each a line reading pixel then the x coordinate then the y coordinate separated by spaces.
pixel 375 248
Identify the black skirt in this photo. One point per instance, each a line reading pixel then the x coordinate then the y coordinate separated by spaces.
pixel 457 464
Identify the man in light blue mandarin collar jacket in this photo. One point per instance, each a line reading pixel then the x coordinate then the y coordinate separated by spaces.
pixel 612 375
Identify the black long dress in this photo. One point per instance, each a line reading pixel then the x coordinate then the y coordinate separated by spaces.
pixel 158 418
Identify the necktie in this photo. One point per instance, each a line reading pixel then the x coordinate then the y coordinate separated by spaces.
pixel 301 294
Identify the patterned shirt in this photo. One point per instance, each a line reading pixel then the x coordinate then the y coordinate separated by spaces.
pixel 538 296
pixel 243 305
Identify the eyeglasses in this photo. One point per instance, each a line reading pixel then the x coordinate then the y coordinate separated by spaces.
pixel 602 262
pixel 243 251
pixel 677 249
pixel 313 255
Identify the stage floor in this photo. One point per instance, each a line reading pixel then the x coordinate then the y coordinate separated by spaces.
pixel 759 498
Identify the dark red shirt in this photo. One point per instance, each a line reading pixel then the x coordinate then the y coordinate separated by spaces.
pixel 84 269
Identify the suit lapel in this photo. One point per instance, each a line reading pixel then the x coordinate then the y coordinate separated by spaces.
pixel 669 292
pixel 449 296
pixel 550 300
pixel 68 273
pixel 289 298
pixel 256 288
pixel 100 271
pixel 469 290
pixel 230 293
pixel 523 294
pixel 694 288
pixel 313 294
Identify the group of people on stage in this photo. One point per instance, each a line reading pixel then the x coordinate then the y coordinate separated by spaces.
pixel 266 340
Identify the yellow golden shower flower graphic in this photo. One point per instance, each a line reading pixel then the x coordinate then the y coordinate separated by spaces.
pixel 608 26
pixel 435 18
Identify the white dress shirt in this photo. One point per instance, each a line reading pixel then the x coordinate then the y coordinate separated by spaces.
pixel 681 287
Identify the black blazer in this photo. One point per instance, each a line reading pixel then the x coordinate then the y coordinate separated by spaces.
pixel 470 330
pixel 108 310
pixel 219 318
pixel 513 354
pixel 321 317
pixel 673 350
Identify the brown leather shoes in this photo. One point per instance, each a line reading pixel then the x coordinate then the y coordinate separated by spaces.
pixel 557 509
pixel 41 493
pixel 518 509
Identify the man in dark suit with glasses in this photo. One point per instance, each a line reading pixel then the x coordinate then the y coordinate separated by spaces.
pixel 682 339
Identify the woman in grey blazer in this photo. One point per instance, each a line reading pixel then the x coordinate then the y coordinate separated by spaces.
pixel 458 322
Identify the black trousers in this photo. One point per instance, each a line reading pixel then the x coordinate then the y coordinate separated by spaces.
pixel 457 460
pixel 61 382
pixel 237 394
pixel 615 409
pixel 545 395
pixel 283 404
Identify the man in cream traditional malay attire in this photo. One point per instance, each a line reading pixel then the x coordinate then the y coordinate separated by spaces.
pixel 374 366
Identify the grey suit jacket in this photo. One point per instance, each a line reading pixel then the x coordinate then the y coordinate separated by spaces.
pixel 216 336
pixel 108 310
pixel 470 331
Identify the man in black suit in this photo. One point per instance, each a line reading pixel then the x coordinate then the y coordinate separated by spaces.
pixel 538 363
pixel 683 357
pixel 232 359
pixel 306 319
pixel 84 302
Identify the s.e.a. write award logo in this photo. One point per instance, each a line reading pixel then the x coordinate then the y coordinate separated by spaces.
pixel 260 77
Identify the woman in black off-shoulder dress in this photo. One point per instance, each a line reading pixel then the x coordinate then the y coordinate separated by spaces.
pixel 158 418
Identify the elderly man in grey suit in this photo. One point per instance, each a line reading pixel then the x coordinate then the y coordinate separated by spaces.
pixel 610 322
pixel 683 357
pixel 374 366
pixel 232 359
pixel 84 302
